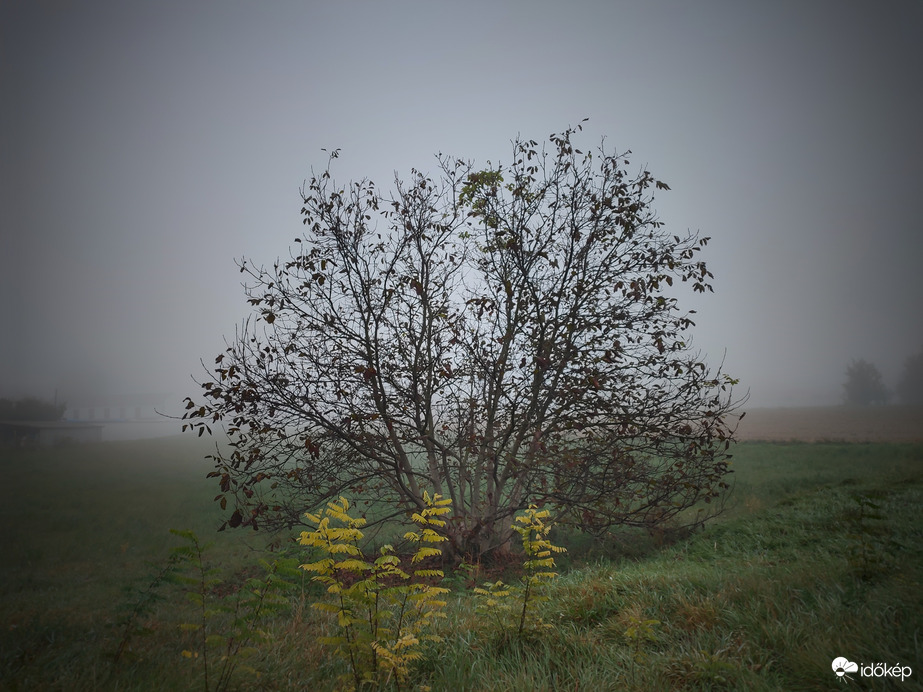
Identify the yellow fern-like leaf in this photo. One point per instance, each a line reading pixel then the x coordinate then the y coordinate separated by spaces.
pixel 340 548
pixel 431 536
pixel 534 564
pixel 341 517
pixel 423 552
pixel 353 565
pixel 405 641
pixel 343 534
pixel 428 573
pixel 387 560
pixel 322 566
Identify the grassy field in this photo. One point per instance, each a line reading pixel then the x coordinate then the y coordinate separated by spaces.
pixel 819 555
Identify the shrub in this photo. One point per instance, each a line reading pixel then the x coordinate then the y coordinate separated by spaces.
pixel 382 611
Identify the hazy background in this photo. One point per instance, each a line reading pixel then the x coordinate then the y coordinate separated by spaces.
pixel 145 146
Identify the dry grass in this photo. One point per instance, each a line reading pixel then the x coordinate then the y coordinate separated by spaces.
pixel 833 424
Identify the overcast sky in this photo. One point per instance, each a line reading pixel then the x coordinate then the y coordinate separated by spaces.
pixel 146 145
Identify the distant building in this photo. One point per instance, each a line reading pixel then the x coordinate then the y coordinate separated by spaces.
pixel 127 407
pixel 47 433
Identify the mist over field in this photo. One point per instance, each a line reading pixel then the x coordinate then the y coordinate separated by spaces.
pixel 145 147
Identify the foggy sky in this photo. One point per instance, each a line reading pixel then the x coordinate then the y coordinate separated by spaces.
pixel 145 146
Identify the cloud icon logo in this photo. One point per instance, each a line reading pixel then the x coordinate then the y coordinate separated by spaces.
pixel 841 666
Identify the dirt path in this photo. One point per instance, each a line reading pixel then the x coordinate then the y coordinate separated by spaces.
pixel 834 423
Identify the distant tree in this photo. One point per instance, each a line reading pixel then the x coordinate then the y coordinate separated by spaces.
pixel 910 386
pixel 502 337
pixel 864 385
pixel 30 409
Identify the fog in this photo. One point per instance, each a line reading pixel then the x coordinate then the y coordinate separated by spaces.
pixel 146 146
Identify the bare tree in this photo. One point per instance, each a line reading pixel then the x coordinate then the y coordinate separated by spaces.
pixel 501 336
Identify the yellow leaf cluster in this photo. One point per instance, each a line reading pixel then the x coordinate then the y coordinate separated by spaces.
pixel 382 623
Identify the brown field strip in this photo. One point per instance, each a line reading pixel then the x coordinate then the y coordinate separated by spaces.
pixel 834 424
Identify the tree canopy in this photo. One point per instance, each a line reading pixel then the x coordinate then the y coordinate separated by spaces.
pixel 500 335
pixel 910 386
pixel 864 385
pixel 30 409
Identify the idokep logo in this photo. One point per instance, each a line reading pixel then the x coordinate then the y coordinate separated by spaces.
pixel 843 666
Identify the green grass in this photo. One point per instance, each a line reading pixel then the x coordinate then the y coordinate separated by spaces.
pixel 81 524
pixel 765 473
pixel 819 555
